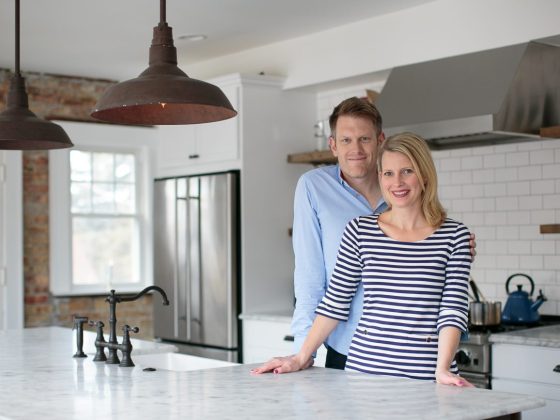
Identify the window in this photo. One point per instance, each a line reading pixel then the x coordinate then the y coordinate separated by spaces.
pixel 100 210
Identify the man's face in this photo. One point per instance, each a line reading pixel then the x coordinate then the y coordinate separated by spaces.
pixel 355 145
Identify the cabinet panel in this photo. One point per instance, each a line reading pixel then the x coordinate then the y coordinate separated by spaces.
pixel 176 145
pixel 263 340
pixel 531 363
pixel 219 141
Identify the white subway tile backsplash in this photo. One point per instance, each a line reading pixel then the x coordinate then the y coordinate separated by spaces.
pixel 472 162
pixel 538 157
pixel 529 262
pixel 495 190
pixel 517 159
pixel 518 218
pixel 519 248
pixel 542 187
pixel 461 205
pixel 530 202
pixel 552 262
pixel 449 192
pixel 529 145
pixel 472 191
pixel 461 177
pixel 461 152
pixel 551 201
pixel 483 176
pixel 483 151
pixel 507 232
pixel 530 172
pixel 495 161
pixel 485 204
pixel 505 174
pixel 507 261
pixel 451 164
pixel 529 232
pixel 494 219
pixel 543 247
pixel 507 203
pixel 551 171
pixel 472 219
pixel 519 188
pixel 497 248
pixel 506 148
pixel 485 233
pixel 539 217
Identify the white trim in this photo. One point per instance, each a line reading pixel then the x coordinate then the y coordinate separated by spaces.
pixel 113 138
pixel 13 239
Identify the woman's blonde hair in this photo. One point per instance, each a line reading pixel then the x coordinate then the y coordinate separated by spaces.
pixel 416 150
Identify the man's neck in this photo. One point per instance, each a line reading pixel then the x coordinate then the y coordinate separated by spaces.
pixel 369 188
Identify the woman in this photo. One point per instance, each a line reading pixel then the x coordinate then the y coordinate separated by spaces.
pixel 414 264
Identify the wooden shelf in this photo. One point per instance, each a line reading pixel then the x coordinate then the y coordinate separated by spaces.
pixel 317 157
pixel 551 132
pixel 554 228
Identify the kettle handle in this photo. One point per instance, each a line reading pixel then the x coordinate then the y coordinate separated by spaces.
pixel 524 275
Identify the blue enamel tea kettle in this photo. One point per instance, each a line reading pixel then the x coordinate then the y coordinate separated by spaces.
pixel 520 309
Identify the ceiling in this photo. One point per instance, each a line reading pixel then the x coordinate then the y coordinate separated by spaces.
pixel 110 39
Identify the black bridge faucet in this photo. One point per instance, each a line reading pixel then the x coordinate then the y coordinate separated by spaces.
pixel 112 344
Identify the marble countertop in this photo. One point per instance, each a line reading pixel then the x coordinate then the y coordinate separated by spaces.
pixel 40 379
pixel 542 336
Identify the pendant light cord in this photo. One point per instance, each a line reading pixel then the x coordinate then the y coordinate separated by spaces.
pixel 161 12
pixel 17 39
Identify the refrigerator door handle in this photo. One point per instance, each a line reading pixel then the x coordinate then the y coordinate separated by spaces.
pixel 230 275
pixel 183 278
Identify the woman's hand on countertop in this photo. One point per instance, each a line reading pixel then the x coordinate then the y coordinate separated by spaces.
pixel 447 378
pixel 283 364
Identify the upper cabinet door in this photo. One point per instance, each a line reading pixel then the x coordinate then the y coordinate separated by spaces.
pixel 200 148
pixel 219 141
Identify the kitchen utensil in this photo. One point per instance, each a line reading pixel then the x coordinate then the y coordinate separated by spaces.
pixel 519 308
pixel 485 313
pixel 474 289
pixel 482 312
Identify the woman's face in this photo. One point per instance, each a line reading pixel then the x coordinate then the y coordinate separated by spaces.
pixel 399 182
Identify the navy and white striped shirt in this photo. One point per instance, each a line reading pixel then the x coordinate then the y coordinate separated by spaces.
pixel 411 291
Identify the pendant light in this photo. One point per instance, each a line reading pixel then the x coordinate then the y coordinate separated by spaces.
pixel 21 129
pixel 163 94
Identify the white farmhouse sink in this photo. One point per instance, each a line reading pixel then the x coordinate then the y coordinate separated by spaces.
pixel 177 362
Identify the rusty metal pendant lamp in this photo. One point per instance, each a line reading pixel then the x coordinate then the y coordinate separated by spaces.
pixel 21 129
pixel 163 94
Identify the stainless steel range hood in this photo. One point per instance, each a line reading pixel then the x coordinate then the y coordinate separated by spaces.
pixel 491 97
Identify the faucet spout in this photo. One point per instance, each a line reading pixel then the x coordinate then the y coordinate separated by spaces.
pixel 143 292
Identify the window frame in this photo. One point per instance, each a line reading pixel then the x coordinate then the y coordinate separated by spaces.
pixel 96 137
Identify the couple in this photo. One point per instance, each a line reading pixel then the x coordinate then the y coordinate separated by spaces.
pixel 411 261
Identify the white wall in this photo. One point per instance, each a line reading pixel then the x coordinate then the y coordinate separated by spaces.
pixel 433 30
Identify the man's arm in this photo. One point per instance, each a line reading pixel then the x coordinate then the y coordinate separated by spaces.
pixel 310 280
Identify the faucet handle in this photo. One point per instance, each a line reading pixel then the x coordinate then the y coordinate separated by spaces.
pixel 79 321
pixel 98 324
pixel 79 327
pixel 128 328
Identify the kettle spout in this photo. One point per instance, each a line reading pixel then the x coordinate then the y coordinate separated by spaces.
pixel 540 300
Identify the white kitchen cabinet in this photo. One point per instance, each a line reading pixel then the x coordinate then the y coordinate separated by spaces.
pixel 528 370
pixel 200 148
pixel 264 339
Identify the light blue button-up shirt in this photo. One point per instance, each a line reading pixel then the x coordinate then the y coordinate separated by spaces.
pixel 324 203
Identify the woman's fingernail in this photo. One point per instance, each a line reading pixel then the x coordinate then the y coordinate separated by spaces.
pixel 275 370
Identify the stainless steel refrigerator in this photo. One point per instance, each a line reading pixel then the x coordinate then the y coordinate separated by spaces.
pixel 196 260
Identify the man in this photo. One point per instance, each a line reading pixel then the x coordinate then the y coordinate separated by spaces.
pixel 326 199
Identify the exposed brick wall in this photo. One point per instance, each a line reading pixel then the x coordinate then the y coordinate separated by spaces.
pixel 59 97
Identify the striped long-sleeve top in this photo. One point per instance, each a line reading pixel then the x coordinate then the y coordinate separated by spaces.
pixel 411 291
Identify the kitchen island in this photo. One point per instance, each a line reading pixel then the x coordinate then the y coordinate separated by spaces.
pixel 39 378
